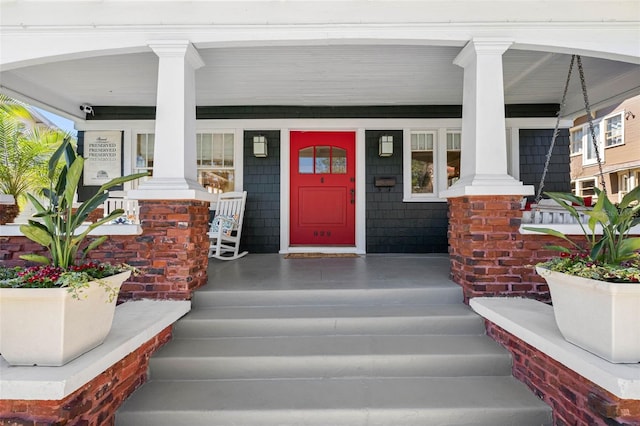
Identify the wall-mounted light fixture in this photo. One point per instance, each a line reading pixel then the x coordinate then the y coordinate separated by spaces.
pixel 629 114
pixel 385 146
pixel 259 146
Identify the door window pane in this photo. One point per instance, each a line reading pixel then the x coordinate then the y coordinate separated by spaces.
pixel 323 156
pixel 339 161
pixel 305 160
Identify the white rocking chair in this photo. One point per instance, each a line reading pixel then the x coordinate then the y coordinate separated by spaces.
pixel 226 227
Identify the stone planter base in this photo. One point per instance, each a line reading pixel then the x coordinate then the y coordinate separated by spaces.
pixel 48 327
pixel 598 316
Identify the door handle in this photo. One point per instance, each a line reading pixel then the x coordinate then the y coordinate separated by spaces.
pixel 353 196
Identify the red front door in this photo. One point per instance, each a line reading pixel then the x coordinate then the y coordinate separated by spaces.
pixel 323 189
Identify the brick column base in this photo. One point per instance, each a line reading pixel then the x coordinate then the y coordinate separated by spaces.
pixel 172 250
pixel 488 255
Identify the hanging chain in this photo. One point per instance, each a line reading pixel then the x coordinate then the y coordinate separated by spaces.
pixel 555 131
pixel 592 131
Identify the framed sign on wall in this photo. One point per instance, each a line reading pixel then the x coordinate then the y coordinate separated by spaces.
pixel 102 157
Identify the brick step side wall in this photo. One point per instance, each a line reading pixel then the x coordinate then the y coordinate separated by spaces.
pixel 96 402
pixel 575 400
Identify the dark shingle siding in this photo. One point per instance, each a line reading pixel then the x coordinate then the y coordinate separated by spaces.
pixel 393 226
pixel 261 228
pixel 534 146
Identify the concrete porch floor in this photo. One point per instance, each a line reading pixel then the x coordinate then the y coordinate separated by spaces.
pixel 275 272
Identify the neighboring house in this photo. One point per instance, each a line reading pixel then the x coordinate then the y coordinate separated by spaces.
pixel 617 130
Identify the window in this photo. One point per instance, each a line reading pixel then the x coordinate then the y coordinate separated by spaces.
pixel 587 187
pixel 576 141
pixel 613 134
pixel 432 163
pixel 215 159
pixel 144 155
pixel 625 180
pixel 453 157
pixel 422 159
pixel 590 151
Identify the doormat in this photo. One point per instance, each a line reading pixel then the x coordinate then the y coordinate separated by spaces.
pixel 318 255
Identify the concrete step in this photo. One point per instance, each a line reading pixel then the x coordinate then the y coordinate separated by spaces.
pixel 337 356
pixel 329 320
pixel 445 292
pixel 339 402
pixel 329 356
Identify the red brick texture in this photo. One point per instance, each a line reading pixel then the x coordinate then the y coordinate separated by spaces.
pixel 171 252
pixel 575 400
pixel 8 213
pixel 96 402
pixel 488 255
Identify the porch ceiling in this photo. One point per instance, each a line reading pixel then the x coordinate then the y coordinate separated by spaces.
pixel 316 75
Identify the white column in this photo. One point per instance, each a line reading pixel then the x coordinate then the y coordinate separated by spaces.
pixel 484 145
pixel 174 166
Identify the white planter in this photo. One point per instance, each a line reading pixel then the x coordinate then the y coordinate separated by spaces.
pixel 598 316
pixel 48 327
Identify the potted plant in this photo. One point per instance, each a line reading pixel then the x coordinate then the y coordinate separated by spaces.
pixel 595 282
pixel 62 307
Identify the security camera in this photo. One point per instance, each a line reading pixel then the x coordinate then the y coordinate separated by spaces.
pixel 86 108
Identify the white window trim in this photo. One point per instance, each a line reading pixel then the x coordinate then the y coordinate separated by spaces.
pixel 586 140
pixel 604 129
pixel 238 144
pixel 571 132
pixel 409 196
pixel 238 157
pixel 580 185
pixel 439 159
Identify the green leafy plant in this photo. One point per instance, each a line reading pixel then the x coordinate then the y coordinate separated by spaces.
pixel 610 253
pixel 25 148
pixel 59 221
pixel 75 277
pixel 56 226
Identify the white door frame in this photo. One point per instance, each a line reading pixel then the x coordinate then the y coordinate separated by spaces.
pixel 285 192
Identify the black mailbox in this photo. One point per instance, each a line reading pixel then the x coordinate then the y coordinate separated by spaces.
pixel 384 182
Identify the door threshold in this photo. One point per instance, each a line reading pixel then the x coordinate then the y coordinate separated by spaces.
pixel 317 255
pixel 322 250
